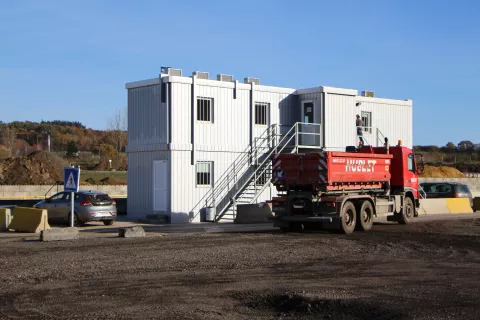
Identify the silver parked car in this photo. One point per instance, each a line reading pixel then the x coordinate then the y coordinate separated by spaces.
pixel 88 206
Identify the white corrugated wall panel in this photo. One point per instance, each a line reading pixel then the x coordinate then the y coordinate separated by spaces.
pixel 147 116
pixel 181 97
pixel 393 120
pixel 140 182
pixel 185 193
pixel 230 127
pixel 278 102
pixel 340 127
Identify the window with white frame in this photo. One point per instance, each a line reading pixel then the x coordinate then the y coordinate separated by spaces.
pixel 261 113
pixel 367 121
pixel 204 173
pixel 205 109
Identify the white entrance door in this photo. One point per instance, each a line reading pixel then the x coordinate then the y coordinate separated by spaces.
pixel 308 113
pixel 160 185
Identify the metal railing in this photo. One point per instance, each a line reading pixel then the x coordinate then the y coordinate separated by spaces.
pixel 368 131
pixel 252 166
pixel 421 192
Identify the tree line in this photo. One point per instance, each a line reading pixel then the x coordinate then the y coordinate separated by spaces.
pixel 66 135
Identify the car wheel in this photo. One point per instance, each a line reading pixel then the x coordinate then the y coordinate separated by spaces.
pixel 108 222
pixel 77 222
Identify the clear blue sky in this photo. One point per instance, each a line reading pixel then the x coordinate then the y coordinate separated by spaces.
pixel 70 60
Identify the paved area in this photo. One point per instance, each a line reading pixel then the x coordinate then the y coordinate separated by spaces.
pixel 426 270
pixel 98 230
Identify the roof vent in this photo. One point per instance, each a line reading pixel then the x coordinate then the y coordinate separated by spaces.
pixel 201 75
pixel 224 77
pixel 171 71
pixel 252 80
pixel 369 94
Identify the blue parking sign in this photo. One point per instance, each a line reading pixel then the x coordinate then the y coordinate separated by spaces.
pixel 71 179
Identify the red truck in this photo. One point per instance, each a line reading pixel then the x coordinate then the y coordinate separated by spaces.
pixel 345 190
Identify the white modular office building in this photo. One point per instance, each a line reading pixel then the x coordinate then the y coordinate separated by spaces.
pixel 197 147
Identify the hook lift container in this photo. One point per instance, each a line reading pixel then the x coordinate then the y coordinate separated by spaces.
pixel 345 190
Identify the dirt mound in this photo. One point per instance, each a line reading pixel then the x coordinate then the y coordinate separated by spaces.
pixel 441 172
pixel 38 168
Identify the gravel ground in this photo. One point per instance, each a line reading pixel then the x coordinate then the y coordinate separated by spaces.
pixel 426 270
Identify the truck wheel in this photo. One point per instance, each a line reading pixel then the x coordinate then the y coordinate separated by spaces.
pixel 365 216
pixel 408 211
pixel 348 218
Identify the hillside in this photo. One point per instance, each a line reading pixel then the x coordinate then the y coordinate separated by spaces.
pixel 63 133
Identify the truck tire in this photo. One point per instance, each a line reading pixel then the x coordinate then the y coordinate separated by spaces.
pixel 408 211
pixel 365 216
pixel 348 218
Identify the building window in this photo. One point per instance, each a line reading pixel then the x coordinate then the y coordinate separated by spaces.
pixel 204 173
pixel 367 121
pixel 261 113
pixel 204 109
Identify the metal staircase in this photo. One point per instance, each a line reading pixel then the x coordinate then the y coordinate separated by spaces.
pixel 250 174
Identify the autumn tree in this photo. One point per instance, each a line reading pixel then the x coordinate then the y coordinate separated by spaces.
pixel 9 135
pixel 118 126
pixel 71 148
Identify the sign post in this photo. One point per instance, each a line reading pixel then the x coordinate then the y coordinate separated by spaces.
pixel 71 182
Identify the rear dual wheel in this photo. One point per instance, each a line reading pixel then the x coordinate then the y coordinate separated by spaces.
pixel 365 216
pixel 348 219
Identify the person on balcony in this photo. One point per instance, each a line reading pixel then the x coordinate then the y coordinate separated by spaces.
pixel 360 126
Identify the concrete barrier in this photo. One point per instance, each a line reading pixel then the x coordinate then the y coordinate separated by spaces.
pixel 459 205
pixel 433 206
pixel 254 213
pixel 29 220
pixel 59 234
pixel 5 218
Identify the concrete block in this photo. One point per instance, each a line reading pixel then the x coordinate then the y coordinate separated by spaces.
pixel 9 189
pixel 29 220
pixel 459 205
pixel 133 232
pixel 21 194
pixel 32 189
pixel 5 218
pixel 254 213
pixel 59 234
pixel 433 206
